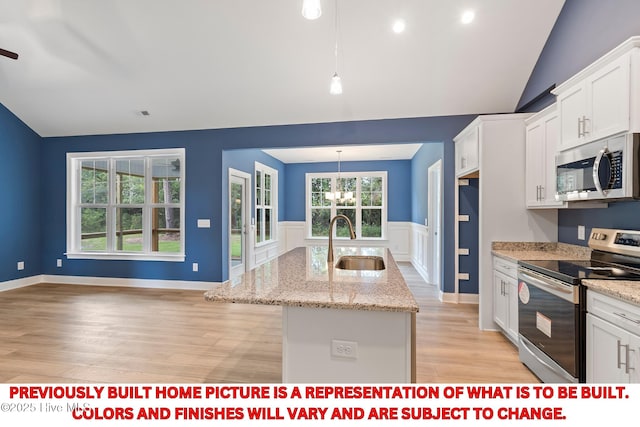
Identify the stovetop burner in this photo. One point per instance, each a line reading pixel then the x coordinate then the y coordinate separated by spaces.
pixel 573 271
pixel 615 255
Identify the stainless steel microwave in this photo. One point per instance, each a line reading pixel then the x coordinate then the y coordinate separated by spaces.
pixel 606 169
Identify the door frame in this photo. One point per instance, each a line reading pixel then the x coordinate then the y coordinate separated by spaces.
pixel 247 242
pixel 434 213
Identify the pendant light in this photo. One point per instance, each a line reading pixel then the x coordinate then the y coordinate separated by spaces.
pixel 311 9
pixel 336 82
pixel 338 195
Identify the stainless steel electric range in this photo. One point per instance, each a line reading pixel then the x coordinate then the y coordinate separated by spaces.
pixel 552 303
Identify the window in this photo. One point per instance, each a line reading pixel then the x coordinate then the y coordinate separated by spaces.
pixel 266 195
pixel 367 210
pixel 126 205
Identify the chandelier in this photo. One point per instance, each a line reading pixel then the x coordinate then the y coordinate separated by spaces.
pixel 338 195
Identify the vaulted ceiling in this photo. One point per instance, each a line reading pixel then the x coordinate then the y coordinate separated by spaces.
pixel 93 66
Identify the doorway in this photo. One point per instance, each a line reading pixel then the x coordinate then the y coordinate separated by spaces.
pixel 239 212
pixel 434 241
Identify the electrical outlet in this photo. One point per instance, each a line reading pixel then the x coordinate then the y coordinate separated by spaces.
pixel 58 262
pixel 20 265
pixel 195 266
pixel 346 349
pixel 581 232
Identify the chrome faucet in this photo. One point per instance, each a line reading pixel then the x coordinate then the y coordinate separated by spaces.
pixel 352 234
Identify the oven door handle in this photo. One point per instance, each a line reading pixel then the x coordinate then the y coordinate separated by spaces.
pixel 566 292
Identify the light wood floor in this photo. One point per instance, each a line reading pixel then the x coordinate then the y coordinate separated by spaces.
pixel 85 334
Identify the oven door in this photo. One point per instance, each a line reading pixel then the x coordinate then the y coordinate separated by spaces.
pixel 549 327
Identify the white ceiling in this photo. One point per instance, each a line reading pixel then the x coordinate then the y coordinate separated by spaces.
pixel 90 66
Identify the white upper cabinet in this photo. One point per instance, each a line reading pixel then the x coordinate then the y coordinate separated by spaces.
pixel 467 152
pixel 601 100
pixel 541 145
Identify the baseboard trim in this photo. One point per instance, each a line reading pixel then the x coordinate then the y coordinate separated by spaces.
pixel 19 283
pixel 130 283
pixel 452 297
pixel 108 281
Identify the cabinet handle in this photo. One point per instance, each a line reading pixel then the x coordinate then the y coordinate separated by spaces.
pixel 629 368
pixel 541 192
pixel 584 126
pixel 537 193
pixel 580 127
pixel 626 355
pixel 618 358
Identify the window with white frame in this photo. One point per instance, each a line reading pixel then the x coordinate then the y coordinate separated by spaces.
pixel 326 196
pixel 126 205
pixel 266 197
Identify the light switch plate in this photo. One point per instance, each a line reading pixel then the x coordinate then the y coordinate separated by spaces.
pixel 581 232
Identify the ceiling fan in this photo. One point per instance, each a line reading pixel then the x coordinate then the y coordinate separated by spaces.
pixel 8 54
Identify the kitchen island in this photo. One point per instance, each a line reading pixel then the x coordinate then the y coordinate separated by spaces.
pixel 338 326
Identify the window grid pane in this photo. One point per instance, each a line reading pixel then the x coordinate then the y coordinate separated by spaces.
pixel 120 223
pixel 365 210
pixel 93 229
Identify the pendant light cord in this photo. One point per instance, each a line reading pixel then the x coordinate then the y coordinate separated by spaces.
pixel 336 34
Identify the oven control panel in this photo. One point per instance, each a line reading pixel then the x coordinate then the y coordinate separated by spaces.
pixel 625 242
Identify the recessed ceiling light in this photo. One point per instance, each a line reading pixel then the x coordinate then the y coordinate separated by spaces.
pixel 467 16
pixel 399 26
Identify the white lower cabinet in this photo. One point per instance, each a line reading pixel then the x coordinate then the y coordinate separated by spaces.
pixel 505 297
pixel 613 340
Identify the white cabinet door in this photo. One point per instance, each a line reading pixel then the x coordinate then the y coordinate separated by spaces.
pixel 609 100
pixel 572 107
pixel 605 351
pixel 467 156
pixel 505 304
pixel 535 155
pixel 500 304
pixel 596 107
pixel 541 145
pixel 512 302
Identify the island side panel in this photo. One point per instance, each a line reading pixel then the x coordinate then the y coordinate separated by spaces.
pixel 385 346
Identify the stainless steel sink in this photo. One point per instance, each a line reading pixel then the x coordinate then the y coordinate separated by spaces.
pixel 360 262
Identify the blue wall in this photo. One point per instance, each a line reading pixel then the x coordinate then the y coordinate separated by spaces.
pixel 20 190
pixel 469 205
pixel 424 157
pixel 584 31
pixel 398 182
pixel 207 153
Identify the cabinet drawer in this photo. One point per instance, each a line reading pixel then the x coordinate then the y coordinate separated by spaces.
pixel 620 313
pixel 508 268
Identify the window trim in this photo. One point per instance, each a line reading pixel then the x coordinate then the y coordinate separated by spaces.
pixel 358 207
pixel 259 167
pixel 73 221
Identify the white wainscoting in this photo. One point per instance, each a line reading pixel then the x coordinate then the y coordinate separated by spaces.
pixel 292 234
pixel 420 249
pixel 264 253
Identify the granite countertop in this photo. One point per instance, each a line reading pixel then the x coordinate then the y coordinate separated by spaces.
pixel 530 251
pixel 302 278
pixel 625 290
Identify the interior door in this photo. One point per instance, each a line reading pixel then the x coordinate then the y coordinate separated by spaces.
pixel 239 184
pixel 435 221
